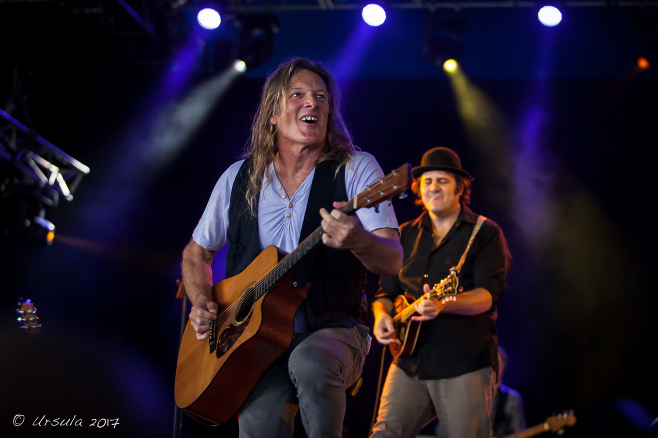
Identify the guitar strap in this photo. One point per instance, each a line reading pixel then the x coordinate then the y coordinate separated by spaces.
pixel 477 227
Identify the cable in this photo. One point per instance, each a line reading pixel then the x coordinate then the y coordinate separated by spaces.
pixel 379 388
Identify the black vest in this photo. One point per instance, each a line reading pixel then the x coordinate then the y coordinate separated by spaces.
pixel 336 296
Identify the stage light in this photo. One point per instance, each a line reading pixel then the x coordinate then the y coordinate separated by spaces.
pixel 240 66
pixel 41 231
pixel 549 16
pixel 645 36
pixel 209 18
pixel 22 218
pixel 642 64
pixel 443 37
pixel 373 14
pixel 256 38
pixel 451 66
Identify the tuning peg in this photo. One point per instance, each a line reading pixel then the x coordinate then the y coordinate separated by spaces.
pixel 377 208
pixel 403 195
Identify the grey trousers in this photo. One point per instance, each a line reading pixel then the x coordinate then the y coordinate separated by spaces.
pixel 462 405
pixel 312 378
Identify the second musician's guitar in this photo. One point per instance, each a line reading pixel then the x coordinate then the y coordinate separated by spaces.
pixel 405 328
pixel 254 324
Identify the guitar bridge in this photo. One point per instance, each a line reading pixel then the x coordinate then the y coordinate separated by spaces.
pixel 212 340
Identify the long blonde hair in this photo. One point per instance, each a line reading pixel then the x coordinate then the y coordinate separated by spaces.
pixel 261 148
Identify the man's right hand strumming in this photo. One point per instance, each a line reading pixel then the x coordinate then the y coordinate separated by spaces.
pixel 201 314
pixel 383 329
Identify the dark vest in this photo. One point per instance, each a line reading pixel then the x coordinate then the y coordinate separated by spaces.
pixel 336 296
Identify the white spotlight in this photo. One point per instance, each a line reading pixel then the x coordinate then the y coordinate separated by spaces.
pixel 373 14
pixel 549 16
pixel 208 18
pixel 240 66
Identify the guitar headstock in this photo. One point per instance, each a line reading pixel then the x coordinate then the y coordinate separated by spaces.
pixel 27 316
pixel 447 286
pixel 392 184
pixel 558 422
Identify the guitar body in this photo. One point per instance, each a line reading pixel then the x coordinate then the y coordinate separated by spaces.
pixel 214 384
pixel 407 330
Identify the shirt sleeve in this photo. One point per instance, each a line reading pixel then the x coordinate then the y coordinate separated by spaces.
pixel 363 170
pixel 492 263
pixel 391 287
pixel 211 231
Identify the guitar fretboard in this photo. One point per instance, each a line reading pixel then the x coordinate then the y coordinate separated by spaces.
pixel 292 258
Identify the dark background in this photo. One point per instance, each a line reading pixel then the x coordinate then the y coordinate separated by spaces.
pixel 562 147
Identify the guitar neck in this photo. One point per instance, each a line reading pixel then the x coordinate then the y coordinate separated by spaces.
pixel 553 424
pixel 407 312
pixel 292 258
pixel 382 190
pixel 440 290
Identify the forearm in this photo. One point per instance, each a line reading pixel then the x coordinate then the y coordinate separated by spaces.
pixel 473 302
pixel 382 306
pixel 381 252
pixel 197 272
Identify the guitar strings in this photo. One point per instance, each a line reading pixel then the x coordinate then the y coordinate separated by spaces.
pixel 288 261
pixel 265 283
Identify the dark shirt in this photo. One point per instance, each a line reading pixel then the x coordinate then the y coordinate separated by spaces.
pixel 451 345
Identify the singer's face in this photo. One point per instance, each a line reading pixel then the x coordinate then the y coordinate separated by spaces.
pixel 439 192
pixel 303 117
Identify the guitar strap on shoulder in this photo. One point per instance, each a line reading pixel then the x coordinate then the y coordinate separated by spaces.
pixel 481 219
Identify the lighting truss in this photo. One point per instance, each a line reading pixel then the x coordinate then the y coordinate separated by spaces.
pixel 308 5
pixel 36 161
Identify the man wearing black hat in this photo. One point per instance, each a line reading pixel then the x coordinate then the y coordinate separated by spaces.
pixel 449 369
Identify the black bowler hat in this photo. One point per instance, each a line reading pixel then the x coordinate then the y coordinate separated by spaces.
pixel 440 158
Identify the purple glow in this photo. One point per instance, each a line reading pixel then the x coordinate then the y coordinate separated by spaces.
pixel 353 53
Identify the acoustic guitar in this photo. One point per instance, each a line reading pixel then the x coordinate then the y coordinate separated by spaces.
pixel 254 324
pixel 556 423
pixel 406 329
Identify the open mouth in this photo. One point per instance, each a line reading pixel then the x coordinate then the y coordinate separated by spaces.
pixel 309 119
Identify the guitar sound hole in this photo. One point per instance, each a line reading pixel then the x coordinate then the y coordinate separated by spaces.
pixel 245 309
pixel 229 337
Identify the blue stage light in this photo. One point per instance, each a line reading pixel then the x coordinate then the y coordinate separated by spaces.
pixel 549 16
pixel 209 18
pixel 373 14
